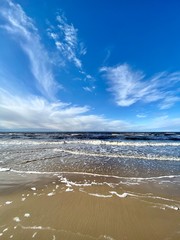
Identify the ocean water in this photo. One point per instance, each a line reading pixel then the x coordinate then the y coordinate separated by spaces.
pixel 119 154
pixel 90 185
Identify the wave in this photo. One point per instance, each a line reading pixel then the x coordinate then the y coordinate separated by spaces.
pixel 96 175
pixel 144 157
pixel 5 169
pixel 132 136
pixel 124 143
pixel 91 142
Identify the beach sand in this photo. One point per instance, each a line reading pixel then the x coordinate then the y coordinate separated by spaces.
pixel 77 206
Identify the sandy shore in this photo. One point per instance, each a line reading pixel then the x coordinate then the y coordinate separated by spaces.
pixel 85 207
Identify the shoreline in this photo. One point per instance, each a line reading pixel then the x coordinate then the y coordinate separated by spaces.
pixel 51 190
pixel 72 206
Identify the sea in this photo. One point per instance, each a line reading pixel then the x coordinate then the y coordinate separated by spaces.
pixel 90 185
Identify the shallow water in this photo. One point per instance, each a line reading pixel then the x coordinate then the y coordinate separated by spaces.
pixel 88 188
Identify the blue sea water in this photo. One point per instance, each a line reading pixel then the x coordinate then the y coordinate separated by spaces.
pixel 109 153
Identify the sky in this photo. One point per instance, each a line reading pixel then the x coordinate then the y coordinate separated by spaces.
pixel 89 65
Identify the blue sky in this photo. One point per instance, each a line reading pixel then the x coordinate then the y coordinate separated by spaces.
pixel 90 65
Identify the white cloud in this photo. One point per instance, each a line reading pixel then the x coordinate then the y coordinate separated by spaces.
pixel 65 38
pixel 129 86
pixel 141 116
pixel 35 113
pixel 69 48
pixel 89 89
pixel 23 30
pixel 168 102
pixel 162 123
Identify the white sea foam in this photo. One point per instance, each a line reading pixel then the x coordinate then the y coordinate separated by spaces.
pixel 33 188
pixel 96 175
pixel 162 198
pixel 16 219
pixel 124 195
pixel 106 237
pixel 27 215
pixel 69 190
pixel 5 169
pixel 34 235
pixel 166 206
pixel 99 195
pixel 89 142
pixel 37 228
pixel 50 194
pixel 8 202
pixel 172 207
pixel 144 157
pixel 120 143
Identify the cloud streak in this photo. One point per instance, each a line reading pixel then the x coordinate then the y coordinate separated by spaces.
pixel 162 123
pixel 36 113
pixel 129 86
pixel 23 30
pixel 66 41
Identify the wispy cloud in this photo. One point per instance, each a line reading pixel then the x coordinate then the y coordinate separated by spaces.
pixel 141 116
pixel 69 49
pixel 162 123
pixel 23 30
pixel 66 40
pixel 89 89
pixel 36 113
pixel 129 86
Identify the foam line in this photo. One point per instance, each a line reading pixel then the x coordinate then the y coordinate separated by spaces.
pixel 38 228
pixel 96 175
pixel 119 195
pixel 160 158
pixel 99 195
pixel 124 143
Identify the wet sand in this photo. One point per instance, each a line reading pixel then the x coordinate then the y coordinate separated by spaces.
pixel 83 189
pixel 77 206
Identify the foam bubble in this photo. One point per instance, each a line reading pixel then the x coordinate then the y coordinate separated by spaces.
pixel 16 219
pixel 108 237
pixel 27 215
pixel 34 235
pixel 8 202
pixel 69 190
pixel 50 194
